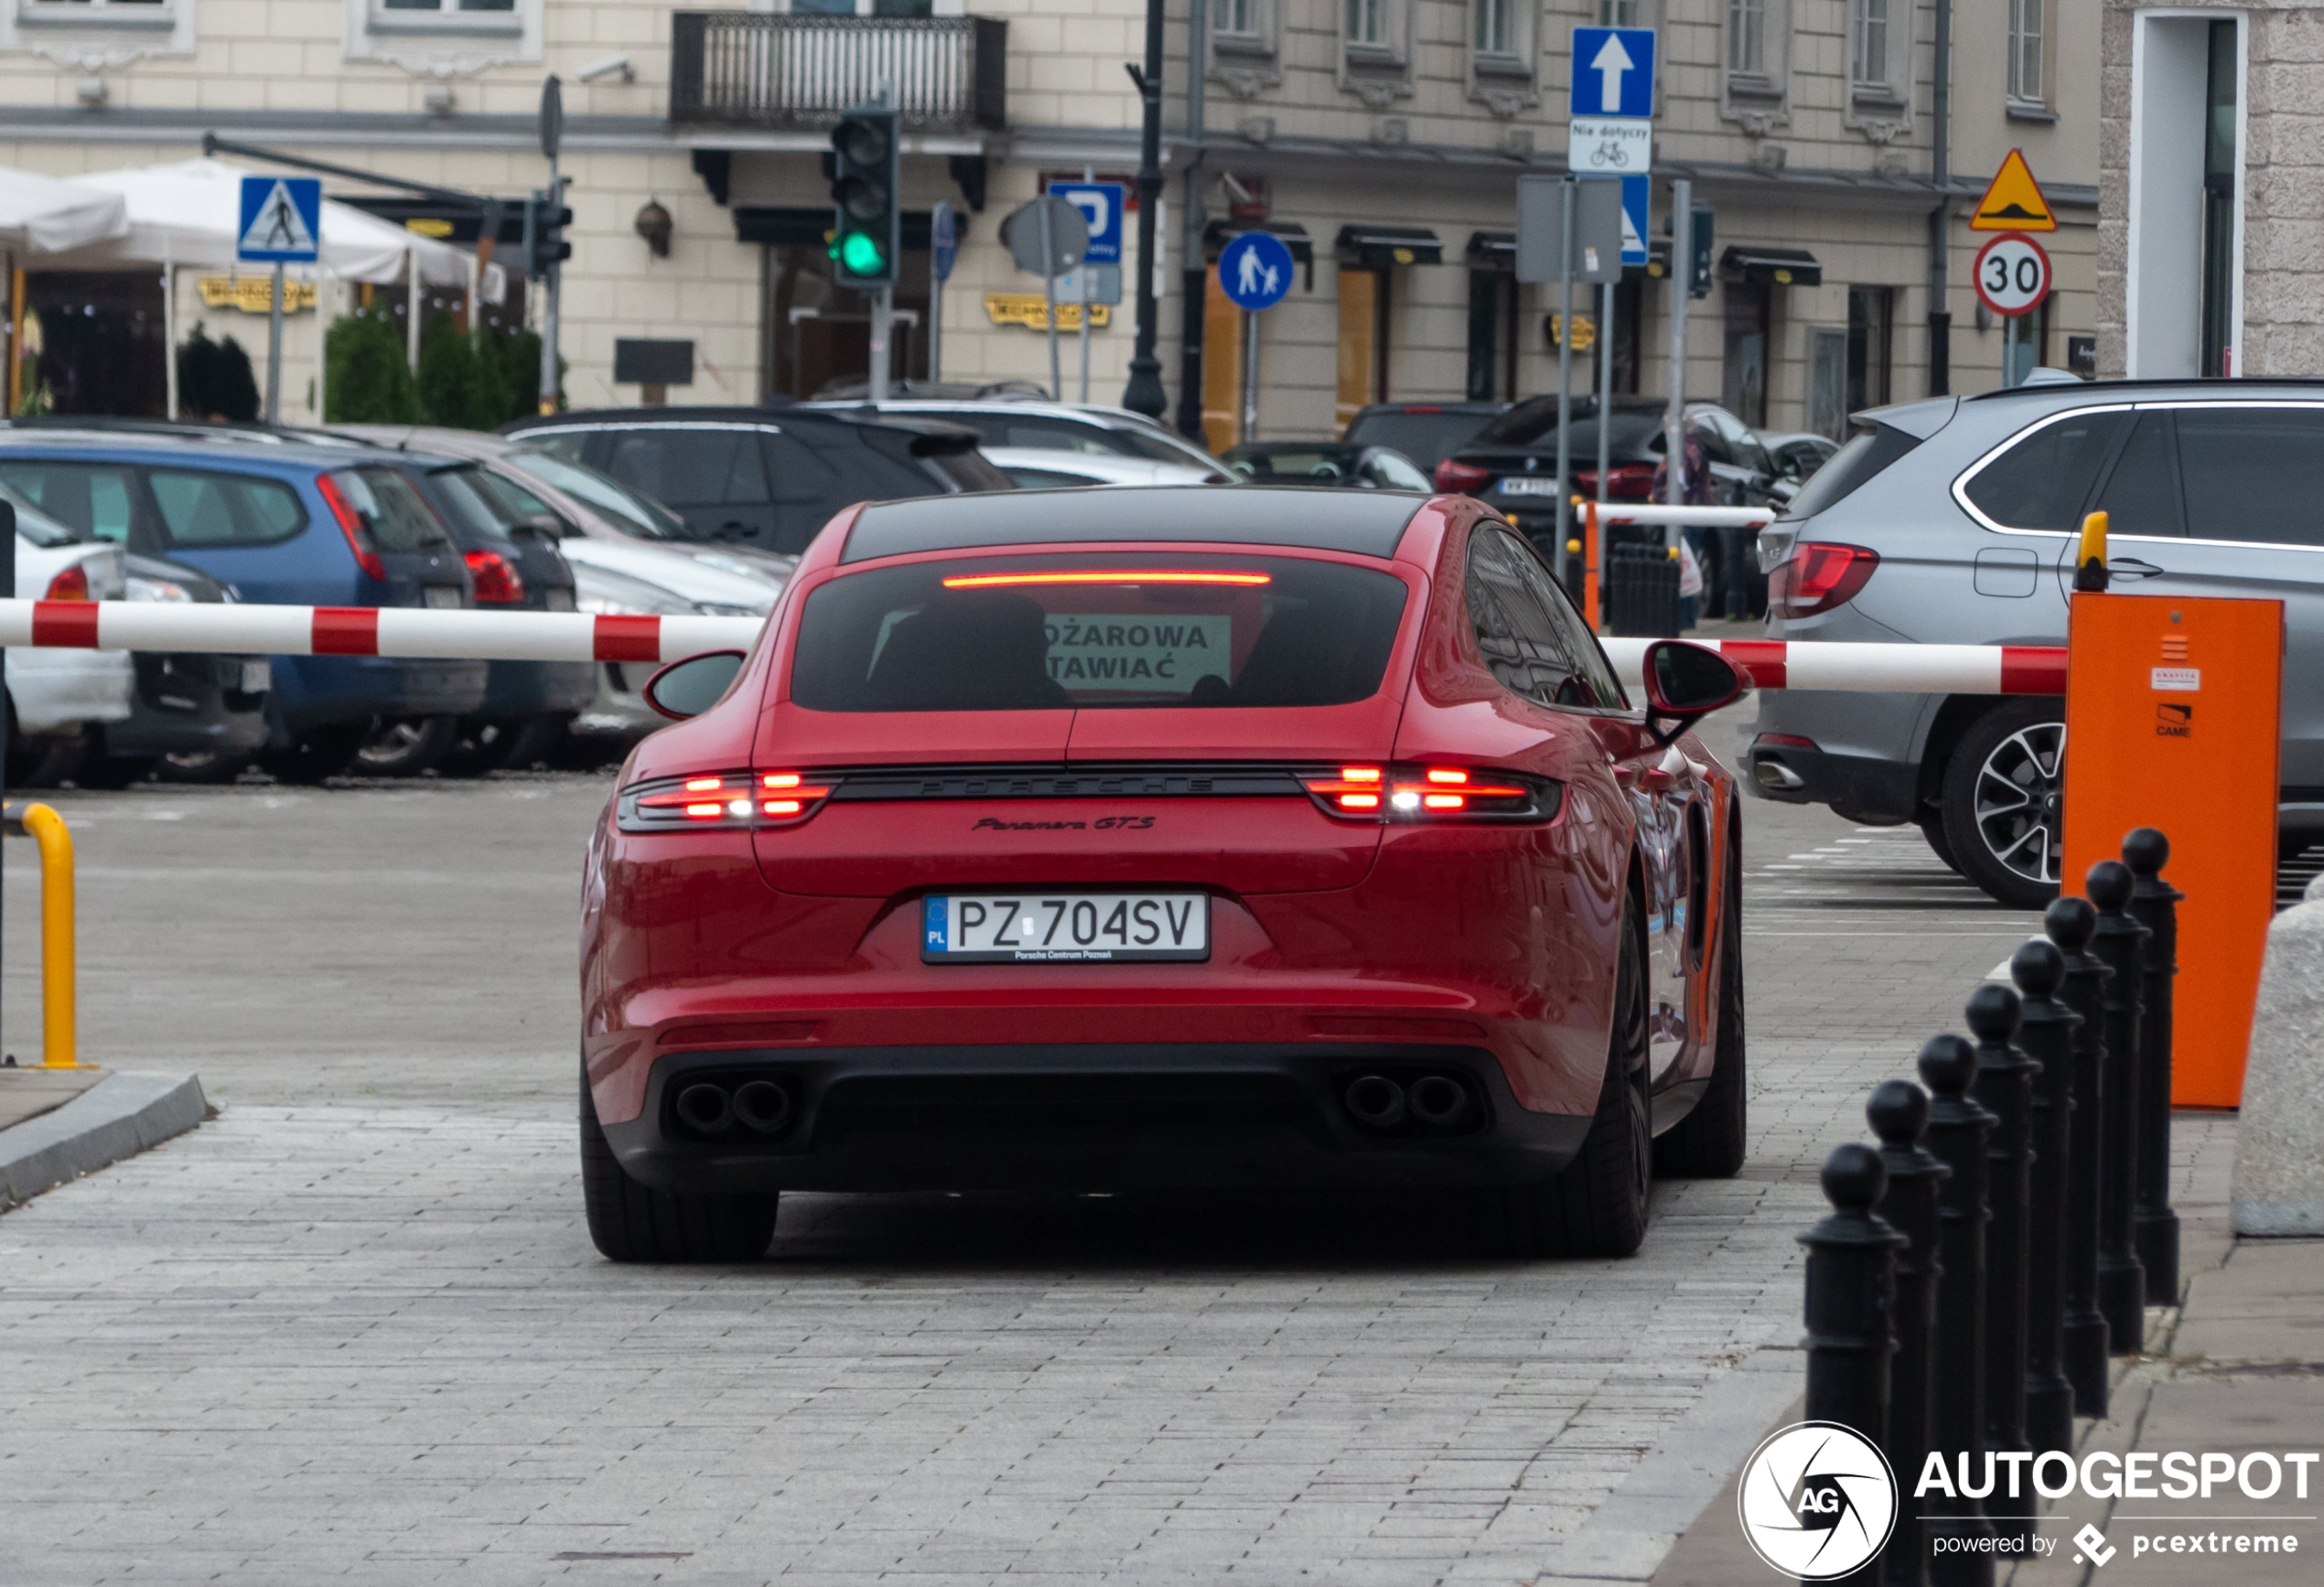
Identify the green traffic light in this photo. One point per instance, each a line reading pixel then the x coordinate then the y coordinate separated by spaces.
pixel 859 254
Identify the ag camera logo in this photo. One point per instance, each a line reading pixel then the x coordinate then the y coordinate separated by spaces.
pixel 1817 1500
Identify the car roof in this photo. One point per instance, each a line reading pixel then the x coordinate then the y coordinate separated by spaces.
pixel 1448 405
pixel 146 445
pixel 1366 523
pixel 2238 389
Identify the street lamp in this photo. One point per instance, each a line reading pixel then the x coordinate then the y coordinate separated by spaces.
pixel 1144 393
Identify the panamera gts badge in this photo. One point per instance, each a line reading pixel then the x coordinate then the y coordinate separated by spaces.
pixel 1102 824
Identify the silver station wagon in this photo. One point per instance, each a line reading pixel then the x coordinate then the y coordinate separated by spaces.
pixel 1953 521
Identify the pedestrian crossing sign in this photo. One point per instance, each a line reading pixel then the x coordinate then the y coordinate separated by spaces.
pixel 282 221
pixel 2013 201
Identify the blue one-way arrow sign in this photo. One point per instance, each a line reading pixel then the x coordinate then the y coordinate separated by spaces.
pixel 1613 71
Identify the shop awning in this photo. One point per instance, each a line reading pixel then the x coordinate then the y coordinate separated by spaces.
pixel 42 215
pixel 1294 235
pixel 1493 251
pixel 1381 247
pixel 1775 266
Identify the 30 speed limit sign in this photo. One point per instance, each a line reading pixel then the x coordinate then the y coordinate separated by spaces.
pixel 2013 274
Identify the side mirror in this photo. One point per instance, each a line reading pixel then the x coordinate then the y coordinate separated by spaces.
pixel 693 686
pixel 1686 683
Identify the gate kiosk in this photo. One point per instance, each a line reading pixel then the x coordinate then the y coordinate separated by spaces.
pixel 2174 714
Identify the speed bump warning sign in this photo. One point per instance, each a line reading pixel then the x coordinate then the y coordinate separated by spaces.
pixel 2013 201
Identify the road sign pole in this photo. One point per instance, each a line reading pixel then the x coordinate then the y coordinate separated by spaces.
pixel 935 331
pixel 1250 426
pixel 2008 352
pixel 1565 367
pixel 550 312
pixel 1682 299
pixel 275 349
pixel 883 326
pixel 1088 176
pixel 1605 380
pixel 1048 299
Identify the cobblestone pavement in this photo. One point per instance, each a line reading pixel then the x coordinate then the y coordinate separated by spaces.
pixel 353 1329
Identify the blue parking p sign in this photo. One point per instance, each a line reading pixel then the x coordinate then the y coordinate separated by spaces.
pixel 282 221
pixel 1100 204
pixel 1613 69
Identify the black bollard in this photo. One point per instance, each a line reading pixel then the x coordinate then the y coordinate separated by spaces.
pixel 1898 1112
pixel 2154 904
pixel 1851 1288
pixel 1956 1137
pixel 2046 1032
pixel 2121 1281
pixel 2083 1346
pixel 2003 1086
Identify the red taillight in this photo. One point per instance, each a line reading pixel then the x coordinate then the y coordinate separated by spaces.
pixel 1819 576
pixel 1631 482
pixel 1460 478
pixel 351 524
pixel 1408 793
pixel 1003 580
pixel 730 801
pixel 498 584
pixel 71 584
pixel 1785 741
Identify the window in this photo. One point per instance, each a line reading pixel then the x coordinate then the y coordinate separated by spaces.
pixel 1747 36
pixel 444 39
pixel 95 501
pixel 202 508
pixel 2141 496
pixel 1527 632
pixel 1368 24
pixel 898 638
pixel 1869 65
pixel 2256 471
pixel 1236 18
pixel 624 509
pixel 1871 315
pixel 95 10
pixel 393 514
pixel 2042 481
pixel 451 12
pixel 1496 27
pixel 2029 28
pixel 796 473
pixel 1622 14
pixel 684 467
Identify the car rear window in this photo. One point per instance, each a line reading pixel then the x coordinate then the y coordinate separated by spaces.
pixel 95 501
pixel 632 513
pixel 1058 633
pixel 1370 523
pixel 392 511
pixel 685 467
pixel 1427 437
pixel 200 509
pixel 1866 454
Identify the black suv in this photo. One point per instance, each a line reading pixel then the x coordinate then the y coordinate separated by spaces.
pixel 766 478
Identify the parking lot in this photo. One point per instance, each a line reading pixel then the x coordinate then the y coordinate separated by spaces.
pixel 353 1327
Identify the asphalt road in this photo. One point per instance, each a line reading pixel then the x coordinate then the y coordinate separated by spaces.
pixel 353 1328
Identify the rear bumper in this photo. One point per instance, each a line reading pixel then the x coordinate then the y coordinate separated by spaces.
pixel 521 689
pixel 1086 1117
pixel 1858 784
pixel 327 690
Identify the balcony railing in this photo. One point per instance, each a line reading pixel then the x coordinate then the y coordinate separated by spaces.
pixel 751 68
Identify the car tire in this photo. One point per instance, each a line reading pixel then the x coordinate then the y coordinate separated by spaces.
pixel 2004 799
pixel 629 1222
pixel 1932 825
pixel 114 771
pixel 45 765
pixel 315 754
pixel 403 746
pixel 1711 1142
pixel 202 766
pixel 1597 1206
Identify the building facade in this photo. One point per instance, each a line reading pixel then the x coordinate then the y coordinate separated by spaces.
pixel 1382 138
pixel 2210 190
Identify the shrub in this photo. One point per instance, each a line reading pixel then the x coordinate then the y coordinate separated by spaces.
pixel 214 379
pixel 366 378
pixel 461 385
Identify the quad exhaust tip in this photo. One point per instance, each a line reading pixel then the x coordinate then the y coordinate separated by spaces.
pixel 1434 1102
pixel 710 1109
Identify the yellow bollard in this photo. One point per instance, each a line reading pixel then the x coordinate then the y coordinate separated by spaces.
pixel 58 1006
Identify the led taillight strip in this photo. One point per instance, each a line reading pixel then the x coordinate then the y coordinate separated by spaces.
pixel 1403 793
pixel 730 799
pixel 1001 581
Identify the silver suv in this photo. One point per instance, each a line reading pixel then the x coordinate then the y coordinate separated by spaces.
pixel 1953 521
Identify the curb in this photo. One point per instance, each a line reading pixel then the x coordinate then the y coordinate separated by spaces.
pixel 119 1117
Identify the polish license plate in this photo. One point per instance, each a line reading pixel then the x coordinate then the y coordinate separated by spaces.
pixel 1524 486
pixel 439 595
pixel 1064 928
pixel 258 676
pixel 560 600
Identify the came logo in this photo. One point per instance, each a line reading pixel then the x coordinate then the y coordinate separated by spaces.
pixel 2093 1543
pixel 1817 1501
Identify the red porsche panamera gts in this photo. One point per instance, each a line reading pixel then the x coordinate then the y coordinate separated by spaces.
pixel 1165 838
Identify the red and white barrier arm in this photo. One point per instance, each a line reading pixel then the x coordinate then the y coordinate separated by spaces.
pixel 1860 669
pixel 407 631
pixel 492 635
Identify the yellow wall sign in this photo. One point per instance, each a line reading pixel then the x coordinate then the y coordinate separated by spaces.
pixel 249 292
pixel 2013 201
pixel 1031 310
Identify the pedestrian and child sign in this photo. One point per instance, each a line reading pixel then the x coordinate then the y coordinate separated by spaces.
pixel 1254 270
pixel 282 221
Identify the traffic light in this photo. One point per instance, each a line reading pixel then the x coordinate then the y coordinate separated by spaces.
pixel 1698 268
pixel 864 234
pixel 549 219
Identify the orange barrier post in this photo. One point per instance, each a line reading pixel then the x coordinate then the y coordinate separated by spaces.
pixel 2173 721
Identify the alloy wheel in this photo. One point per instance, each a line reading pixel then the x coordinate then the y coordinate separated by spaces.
pixel 2019 801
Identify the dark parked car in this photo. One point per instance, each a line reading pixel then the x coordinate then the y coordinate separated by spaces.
pixel 508 536
pixel 197 718
pixel 288 524
pixel 1427 432
pixel 1512 462
pixel 767 480
pixel 1312 463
